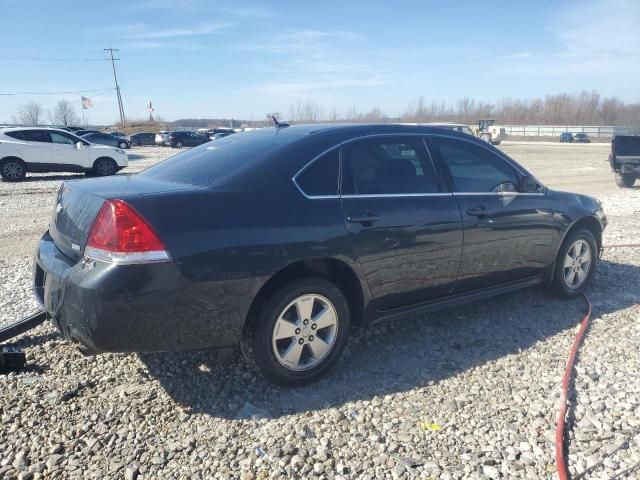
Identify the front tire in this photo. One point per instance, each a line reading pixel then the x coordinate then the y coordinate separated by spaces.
pixel 575 265
pixel 104 167
pixel 178 144
pixel 13 170
pixel 122 145
pixel 298 334
pixel 625 180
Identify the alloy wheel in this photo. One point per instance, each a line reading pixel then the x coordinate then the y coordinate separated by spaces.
pixel 105 168
pixel 305 332
pixel 577 264
pixel 12 170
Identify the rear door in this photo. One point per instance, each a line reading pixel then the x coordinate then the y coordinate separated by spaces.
pixel 404 227
pixel 507 234
pixel 36 147
pixel 66 152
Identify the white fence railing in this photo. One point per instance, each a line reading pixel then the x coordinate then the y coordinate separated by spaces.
pixel 556 130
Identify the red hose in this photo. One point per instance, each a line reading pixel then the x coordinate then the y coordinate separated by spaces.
pixel 560 422
pixel 560 460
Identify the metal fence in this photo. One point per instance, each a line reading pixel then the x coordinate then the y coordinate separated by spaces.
pixel 556 130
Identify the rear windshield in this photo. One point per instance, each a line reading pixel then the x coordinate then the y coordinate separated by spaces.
pixel 627 145
pixel 211 163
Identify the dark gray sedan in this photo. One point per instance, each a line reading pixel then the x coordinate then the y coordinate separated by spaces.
pixel 107 139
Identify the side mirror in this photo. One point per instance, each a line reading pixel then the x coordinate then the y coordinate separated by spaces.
pixel 79 145
pixel 530 185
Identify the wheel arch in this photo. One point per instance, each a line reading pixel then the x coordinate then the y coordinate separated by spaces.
pixel 104 157
pixel 590 223
pixel 329 268
pixel 13 157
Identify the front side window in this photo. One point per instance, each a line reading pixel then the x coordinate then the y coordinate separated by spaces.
pixel 387 166
pixel 473 168
pixel 321 177
pixel 60 138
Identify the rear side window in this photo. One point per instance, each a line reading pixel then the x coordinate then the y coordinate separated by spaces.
pixel 473 168
pixel 388 166
pixel 321 177
pixel 29 136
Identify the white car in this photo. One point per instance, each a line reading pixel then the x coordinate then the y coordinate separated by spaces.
pixel 33 149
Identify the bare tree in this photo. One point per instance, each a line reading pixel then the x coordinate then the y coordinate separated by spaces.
pixel 308 112
pixel 63 113
pixel 29 114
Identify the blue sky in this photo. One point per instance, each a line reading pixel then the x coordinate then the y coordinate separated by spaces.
pixel 199 58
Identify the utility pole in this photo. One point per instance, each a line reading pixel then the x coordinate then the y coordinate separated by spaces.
pixel 115 78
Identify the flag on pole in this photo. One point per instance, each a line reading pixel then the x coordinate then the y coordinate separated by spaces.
pixel 86 102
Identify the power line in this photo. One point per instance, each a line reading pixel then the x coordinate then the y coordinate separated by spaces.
pixel 40 59
pixel 58 93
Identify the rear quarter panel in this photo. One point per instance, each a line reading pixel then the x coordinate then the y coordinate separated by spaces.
pixel 227 244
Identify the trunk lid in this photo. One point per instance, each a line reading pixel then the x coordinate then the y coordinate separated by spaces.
pixel 79 202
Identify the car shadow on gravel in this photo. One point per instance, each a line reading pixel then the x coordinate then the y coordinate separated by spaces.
pixel 392 357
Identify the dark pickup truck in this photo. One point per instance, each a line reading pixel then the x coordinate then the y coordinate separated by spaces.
pixel 625 159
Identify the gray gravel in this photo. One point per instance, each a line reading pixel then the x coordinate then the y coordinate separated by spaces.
pixel 469 392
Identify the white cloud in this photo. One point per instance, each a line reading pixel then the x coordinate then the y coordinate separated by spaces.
pixel 203 29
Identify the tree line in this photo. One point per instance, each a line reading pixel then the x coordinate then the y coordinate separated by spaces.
pixel 585 108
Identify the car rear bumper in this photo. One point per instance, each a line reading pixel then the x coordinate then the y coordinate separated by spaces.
pixel 129 308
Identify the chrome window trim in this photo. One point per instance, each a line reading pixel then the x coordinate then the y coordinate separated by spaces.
pixel 423 135
pixel 501 194
pixel 392 195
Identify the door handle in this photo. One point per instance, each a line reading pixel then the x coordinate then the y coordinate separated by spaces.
pixel 479 211
pixel 363 217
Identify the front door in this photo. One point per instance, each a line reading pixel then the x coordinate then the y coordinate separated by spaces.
pixel 66 152
pixel 507 234
pixel 404 229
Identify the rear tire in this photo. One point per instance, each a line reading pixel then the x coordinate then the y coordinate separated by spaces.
pixel 575 265
pixel 104 167
pixel 13 169
pixel 625 180
pixel 298 334
pixel 178 144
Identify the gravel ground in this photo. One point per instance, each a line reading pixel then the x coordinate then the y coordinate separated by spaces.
pixel 469 392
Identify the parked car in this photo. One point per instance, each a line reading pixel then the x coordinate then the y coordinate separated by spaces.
pixel 217 136
pixel 625 159
pixel 331 226
pixel 161 137
pixel 145 138
pixel 458 127
pixel 35 149
pixel 119 134
pixel 185 139
pixel 84 132
pixel 566 137
pixel 581 138
pixel 107 139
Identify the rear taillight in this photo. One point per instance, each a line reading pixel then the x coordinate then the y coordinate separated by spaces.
pixel 120 235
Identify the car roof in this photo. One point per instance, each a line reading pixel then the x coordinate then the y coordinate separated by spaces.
pixel 14 129
pixel 353 130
